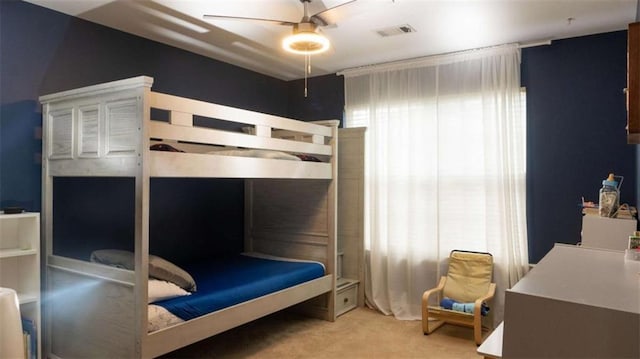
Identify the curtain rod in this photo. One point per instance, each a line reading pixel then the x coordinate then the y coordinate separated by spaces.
pixel 534 43
pixel 436 58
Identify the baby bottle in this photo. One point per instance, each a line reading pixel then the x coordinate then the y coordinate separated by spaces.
pixel 609 197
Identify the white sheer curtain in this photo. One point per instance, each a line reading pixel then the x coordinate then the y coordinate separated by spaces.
pixel 445 169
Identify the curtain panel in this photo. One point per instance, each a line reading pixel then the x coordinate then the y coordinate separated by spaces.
pixel 445 169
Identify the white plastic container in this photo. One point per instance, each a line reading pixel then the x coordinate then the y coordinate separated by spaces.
pixel 631 255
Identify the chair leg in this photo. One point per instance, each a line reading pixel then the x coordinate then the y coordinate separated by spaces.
pixel 477 329
pixel 428 326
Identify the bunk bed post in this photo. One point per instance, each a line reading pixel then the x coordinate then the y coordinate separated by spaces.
pixel 46 219
pixel 142 224
pixel 248 215
pixel 332 213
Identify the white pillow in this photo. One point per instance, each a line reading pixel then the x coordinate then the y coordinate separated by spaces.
pixel 161 290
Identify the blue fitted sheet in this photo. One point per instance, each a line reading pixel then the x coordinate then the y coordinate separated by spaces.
pixel 223 282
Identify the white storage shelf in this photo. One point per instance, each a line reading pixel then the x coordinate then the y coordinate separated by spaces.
pixel 346 295
pixel 20 261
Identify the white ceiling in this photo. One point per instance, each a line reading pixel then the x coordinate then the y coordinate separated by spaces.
pixel 441 26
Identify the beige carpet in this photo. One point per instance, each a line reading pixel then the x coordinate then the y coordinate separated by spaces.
pixel 360 333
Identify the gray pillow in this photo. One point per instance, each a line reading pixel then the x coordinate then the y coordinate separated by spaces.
pixel 158 267
pixel 114 257
pixel 163 269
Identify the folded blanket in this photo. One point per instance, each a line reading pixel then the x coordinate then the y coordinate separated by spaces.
pixel 448 303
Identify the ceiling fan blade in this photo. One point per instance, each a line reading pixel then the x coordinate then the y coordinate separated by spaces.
pixel 224 17
pixel 317 18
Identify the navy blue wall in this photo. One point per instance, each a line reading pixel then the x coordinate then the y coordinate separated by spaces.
pixel 97 212
pixel 324 101
pixel 576 120
pixel 20 147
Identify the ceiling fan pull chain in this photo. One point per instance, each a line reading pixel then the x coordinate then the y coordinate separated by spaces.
pixel 307 66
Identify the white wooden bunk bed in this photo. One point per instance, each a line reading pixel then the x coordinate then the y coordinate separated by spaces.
pixel 106 130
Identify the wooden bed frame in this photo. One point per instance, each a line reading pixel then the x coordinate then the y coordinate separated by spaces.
pixel 106 130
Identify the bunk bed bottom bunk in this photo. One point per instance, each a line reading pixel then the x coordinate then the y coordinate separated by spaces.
pixel 228 281
pixel 230 292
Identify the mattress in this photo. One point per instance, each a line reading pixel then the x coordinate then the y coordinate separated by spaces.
pixel 223 282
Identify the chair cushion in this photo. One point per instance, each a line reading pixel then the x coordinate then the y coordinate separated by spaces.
pixel 468 276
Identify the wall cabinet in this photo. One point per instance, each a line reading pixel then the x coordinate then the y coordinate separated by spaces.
pixel 350 274
pixel 20 263
pixel 633 84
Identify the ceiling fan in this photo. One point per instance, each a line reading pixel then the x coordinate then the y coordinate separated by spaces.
pixel 305 39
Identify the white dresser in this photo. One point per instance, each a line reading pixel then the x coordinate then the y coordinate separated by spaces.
pixel 577 302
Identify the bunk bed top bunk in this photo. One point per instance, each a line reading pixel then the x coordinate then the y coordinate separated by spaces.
pixel 109 129
pixel 123 129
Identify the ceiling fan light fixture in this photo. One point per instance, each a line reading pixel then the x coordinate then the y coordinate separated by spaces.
pixel 305 41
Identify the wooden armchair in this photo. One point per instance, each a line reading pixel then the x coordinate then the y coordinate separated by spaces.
pixel 468 280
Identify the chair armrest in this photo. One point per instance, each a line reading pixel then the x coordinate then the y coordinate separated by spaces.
pixel 490 293
pixel 428 327
pixel 436 290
